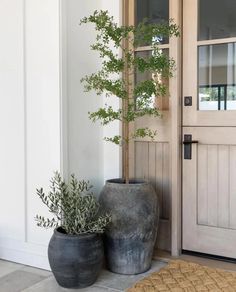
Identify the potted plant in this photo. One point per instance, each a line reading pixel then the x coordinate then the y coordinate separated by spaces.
pixel 131 236
pixel 75 251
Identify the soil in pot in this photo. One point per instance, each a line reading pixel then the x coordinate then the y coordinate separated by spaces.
pixel 75 260
pixel 131 237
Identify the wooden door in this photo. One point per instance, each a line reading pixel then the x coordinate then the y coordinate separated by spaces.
pixel 158 160
pixel 150 159
pixel 209 116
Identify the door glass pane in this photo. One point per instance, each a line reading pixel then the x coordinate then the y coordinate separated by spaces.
pixel 160 102
pixel 216 19
pixel 217 77
pixel 156 11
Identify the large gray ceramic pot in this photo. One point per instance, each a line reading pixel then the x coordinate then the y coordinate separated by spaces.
pixel 75 260
pixel 131 237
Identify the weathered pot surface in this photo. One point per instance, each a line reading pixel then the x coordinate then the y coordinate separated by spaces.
pixel 75 260
pixel 131 237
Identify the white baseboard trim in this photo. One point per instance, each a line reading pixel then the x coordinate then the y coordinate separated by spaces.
pixel 25 258
pixel 24 253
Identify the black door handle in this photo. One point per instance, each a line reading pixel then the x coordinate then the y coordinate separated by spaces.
pixel 188 146
pixel 190 142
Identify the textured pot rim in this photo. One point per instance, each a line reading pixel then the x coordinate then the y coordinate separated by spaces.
pixel 121 182
pixel 80 236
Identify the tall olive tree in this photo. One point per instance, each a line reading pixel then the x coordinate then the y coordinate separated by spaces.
pixel 115 76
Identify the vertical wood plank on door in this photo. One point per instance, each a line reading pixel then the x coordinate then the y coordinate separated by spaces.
pixel 145 160
pixel 202 174
pixel 141 160
pixel 223 186
pixel 232 216
pixel 212 190
pixel 165 182
pixel 159 175
pixel 152 163
pixel 138 153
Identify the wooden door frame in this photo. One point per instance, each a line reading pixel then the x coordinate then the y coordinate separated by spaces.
pixel 175 109
pixel 176 8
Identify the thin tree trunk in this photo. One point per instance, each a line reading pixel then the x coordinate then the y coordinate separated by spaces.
pixel 125 103
pixel 125 139
pixel 126 152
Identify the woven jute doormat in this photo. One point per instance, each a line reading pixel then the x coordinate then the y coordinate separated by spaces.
pixel 182 276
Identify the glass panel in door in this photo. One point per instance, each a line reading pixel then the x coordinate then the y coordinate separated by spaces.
pixel 217 77
pixel 155 11
pixel 216 19
pixel 209 62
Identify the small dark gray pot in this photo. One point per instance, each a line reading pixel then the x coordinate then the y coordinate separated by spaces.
pixel 75 260
pixel 131 237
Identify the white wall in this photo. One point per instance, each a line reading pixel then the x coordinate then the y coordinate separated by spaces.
pixel 112 152
pixel 29 123
pixel 43 55
pixel 88 155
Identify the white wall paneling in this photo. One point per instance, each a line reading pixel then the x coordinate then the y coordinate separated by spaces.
pixel 30 123
pixel 44 114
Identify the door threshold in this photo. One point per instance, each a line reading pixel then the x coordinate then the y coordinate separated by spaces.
pixel 209 256
pixel 217 263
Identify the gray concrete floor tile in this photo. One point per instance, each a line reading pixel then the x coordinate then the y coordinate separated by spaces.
pixel 47 285
pixel 156 266
pixel 39 272
pixel 19 278
pixel 50 285
pixel 18 281
pixel 122 282
pixel 8 267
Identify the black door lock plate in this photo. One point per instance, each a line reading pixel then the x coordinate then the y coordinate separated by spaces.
pixel 188 101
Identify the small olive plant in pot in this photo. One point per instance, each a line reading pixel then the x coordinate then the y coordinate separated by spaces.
pixel 130 238
pixel 75 251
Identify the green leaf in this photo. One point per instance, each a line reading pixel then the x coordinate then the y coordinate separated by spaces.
pixel 115 77
pixel 73 205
